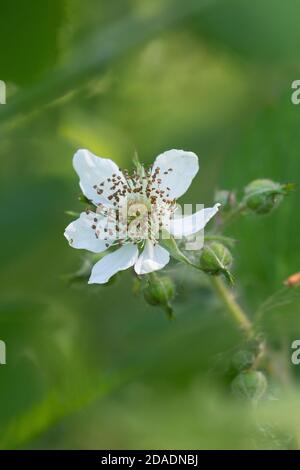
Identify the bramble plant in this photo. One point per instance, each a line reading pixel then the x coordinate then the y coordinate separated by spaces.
pixel 136 218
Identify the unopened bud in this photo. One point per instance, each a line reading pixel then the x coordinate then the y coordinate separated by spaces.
pixel 250 385
pixel 215 258
pixel 261 196
pixel 293 280
pixel 160 291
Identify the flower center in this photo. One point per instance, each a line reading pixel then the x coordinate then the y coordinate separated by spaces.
pixel 140 207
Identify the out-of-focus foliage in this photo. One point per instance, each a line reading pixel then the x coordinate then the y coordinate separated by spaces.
pixel 29 38
pixel 92 366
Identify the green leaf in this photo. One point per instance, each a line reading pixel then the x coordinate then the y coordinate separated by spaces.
pixel 170 244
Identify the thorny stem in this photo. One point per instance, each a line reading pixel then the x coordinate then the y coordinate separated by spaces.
pixel 236 312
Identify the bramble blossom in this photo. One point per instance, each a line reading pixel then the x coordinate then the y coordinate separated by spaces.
pixel 131 211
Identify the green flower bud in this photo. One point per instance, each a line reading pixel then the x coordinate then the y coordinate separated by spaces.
pixel 215 258
pixel 261 196
pixel 250 385
pixel 159 291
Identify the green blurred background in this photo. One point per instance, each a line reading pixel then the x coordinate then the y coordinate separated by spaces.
pixel 96 367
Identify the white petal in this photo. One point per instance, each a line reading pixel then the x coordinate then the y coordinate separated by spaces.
pixel 183 165
pixel 152 258
pixel 184 226
pixel 119 260
pixel 93 171
pixel 80 233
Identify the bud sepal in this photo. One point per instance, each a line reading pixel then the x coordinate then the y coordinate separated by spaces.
pixel 215 259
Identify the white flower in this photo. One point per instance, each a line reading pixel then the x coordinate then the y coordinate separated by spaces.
pixel 131 210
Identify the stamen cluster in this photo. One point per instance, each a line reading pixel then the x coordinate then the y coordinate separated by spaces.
pixel 139 205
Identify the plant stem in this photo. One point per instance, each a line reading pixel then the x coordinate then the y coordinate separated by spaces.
pixel 231 217
pixel 243 322
pixel 236 312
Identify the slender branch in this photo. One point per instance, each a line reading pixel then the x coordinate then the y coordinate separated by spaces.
pixel 243 322
pixel 236 312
